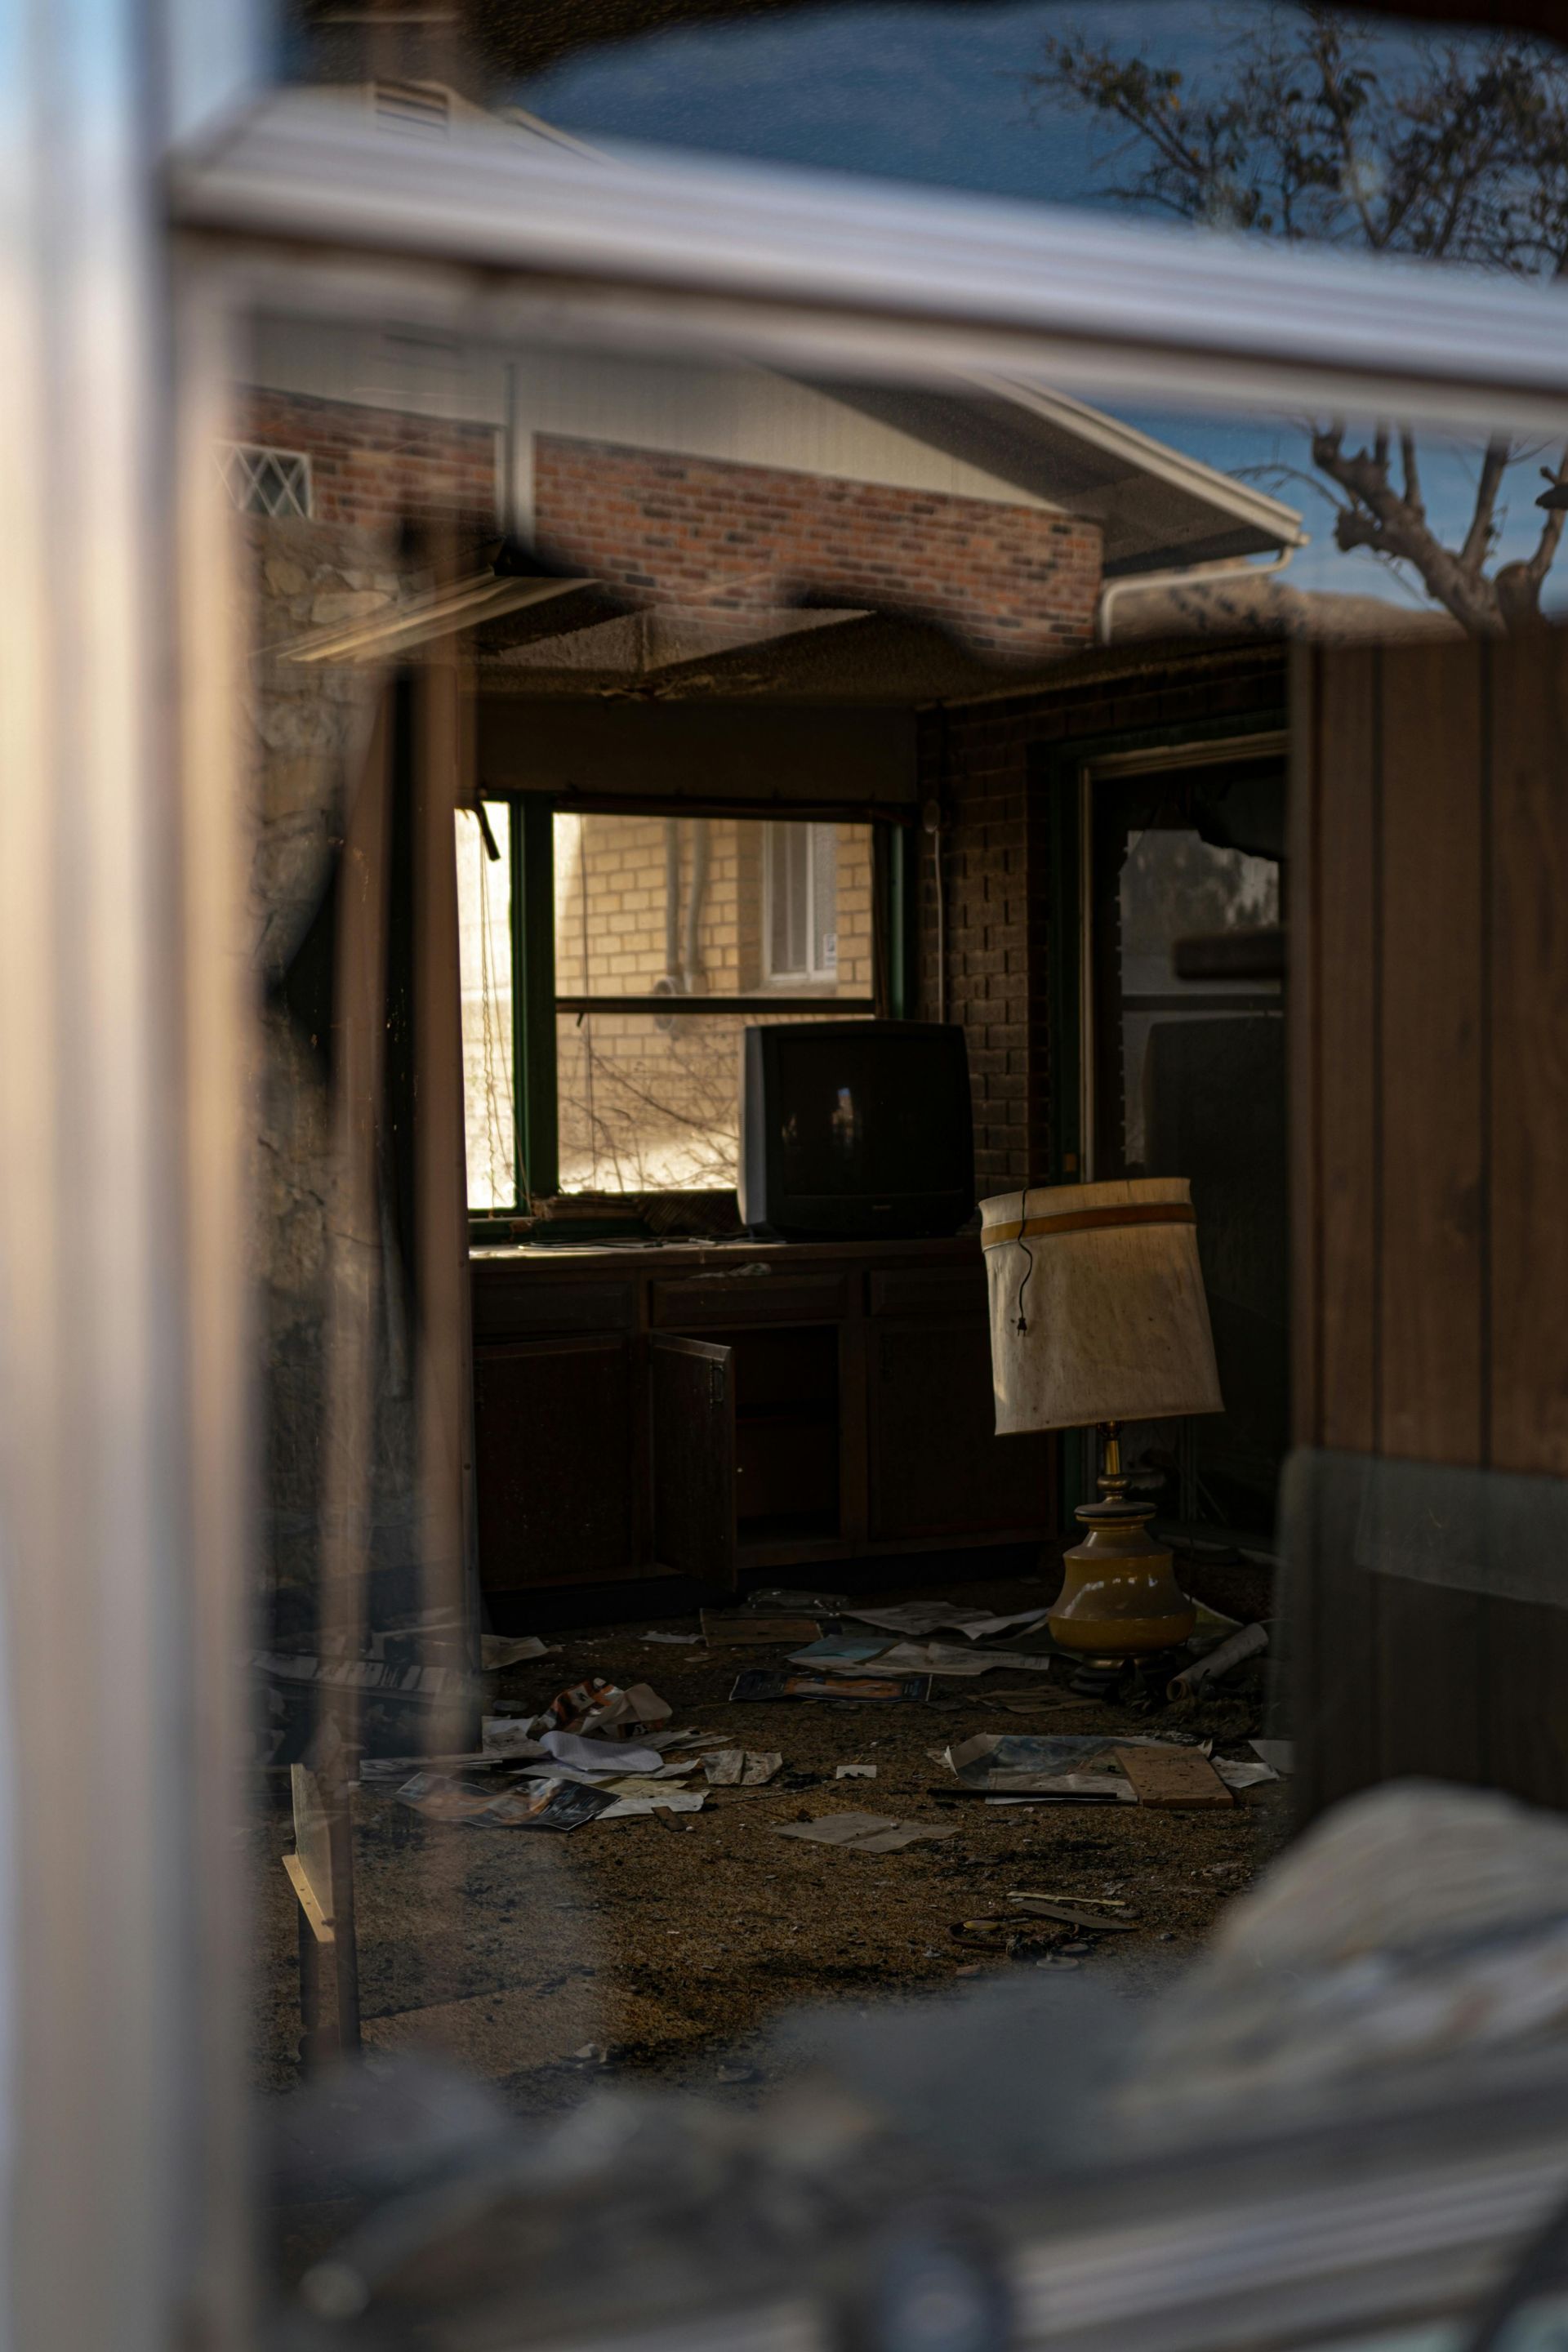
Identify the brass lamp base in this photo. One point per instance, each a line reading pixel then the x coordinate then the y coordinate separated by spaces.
pixel 1120 1596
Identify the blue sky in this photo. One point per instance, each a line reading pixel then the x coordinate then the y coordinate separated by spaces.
pixel 939 96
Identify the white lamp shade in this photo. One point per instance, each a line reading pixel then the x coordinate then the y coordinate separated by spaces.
pixel 1112 1299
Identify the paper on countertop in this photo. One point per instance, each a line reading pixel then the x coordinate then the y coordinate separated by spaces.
pixel 863 1833
pixel 1279 1753
pixel 599 1756
pixel 918 1618
pixel 731 1767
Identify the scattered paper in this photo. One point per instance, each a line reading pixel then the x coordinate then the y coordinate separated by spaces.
pixel 658 1801
pixel 918 1618
pixel 1243 1775
pixel 1019 1764
pixel 1280 1753
pixel 864 1832
pixel 496 1652
pixel 731 1768
pixel 763 1683
pixel 652 1636
pixel 856 1772
pixel 603 1708
pixel 507 1735
pixel 841 1652
pixel 541 1804
pixel 602 1757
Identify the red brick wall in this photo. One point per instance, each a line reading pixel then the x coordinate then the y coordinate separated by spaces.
pixel 975 761
pixel 704 532
pixel 370 467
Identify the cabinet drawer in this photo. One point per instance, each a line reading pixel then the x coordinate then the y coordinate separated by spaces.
pixel 944 1290
pixel 518 1306
pixel 728 1300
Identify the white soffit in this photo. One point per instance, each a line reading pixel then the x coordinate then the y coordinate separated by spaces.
pixel 832 273
pixel 1155 505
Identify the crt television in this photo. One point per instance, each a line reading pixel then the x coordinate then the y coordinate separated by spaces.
pixel 856 1129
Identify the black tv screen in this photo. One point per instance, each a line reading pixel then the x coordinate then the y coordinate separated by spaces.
pixel 856 1128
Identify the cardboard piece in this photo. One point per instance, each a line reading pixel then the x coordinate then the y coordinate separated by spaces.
pixel 1173 1780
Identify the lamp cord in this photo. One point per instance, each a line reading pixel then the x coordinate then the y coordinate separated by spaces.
pixel 1022 1324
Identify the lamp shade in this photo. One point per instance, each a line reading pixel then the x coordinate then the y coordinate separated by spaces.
pixel 1106 1280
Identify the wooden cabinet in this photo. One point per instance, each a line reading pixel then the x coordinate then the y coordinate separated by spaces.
pixel 556 1460
pixel 937 1466
pixel 701 1410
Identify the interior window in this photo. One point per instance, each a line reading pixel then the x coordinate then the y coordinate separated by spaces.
pixel 669 935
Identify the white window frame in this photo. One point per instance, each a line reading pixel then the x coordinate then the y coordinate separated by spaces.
pixel 814 972
pixel 144 225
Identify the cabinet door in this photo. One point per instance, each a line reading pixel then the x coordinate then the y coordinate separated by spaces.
pixel 937 1466
pixel 555 1456
pixel 693 1458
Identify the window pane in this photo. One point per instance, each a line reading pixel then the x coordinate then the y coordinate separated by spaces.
pixel 484 949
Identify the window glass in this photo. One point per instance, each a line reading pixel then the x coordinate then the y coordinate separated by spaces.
pixel 602 706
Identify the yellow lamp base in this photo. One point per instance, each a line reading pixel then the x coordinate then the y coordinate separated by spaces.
pixel 1120 1596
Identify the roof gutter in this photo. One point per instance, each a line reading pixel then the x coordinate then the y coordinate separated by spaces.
pixel 1184 576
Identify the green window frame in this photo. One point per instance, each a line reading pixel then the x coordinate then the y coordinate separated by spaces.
pixel 536 1004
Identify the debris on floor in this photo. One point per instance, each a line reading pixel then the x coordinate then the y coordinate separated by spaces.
pixel 604 1708
pixel 664 1948
pixel 769 1684
pixel 748 1629
pixel 1244 1644
pixel 496 1653
pixel 1279 1754
pixel 730 1767
pixel 918 1618
pixel 652 1635
pixel 864 1832
pixel 1177 1779
pixel 541 1804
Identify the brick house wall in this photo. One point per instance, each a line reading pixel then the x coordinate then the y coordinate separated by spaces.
pixel 697 531
pixel 370 467
pixel 975 763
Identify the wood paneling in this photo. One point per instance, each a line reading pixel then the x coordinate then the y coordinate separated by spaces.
pixel 557 1456
pixel 693 1458
pixel 1429 1091
pixel 937 1466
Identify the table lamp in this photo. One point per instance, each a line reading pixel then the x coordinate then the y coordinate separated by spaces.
pixel 1097 1318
